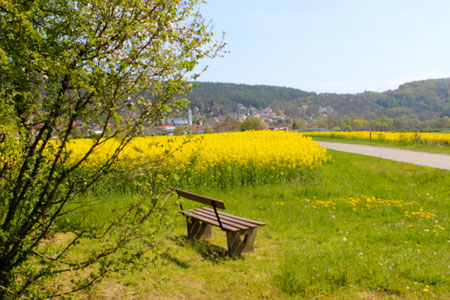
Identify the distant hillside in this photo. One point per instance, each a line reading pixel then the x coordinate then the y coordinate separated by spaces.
pixel 224 97
pixel 421 100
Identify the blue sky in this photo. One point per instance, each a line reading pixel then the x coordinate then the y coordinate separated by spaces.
pixel 342 46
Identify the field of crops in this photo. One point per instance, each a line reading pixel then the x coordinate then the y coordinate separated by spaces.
pixel 223 160
pixel 404 137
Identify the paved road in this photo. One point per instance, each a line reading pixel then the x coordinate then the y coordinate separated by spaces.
pixel 440 161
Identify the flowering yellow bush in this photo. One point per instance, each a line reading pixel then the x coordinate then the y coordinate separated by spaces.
pixel 221 159
pixel 9 154
pixel 408 137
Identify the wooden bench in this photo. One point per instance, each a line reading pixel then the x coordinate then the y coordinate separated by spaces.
pixel 241 232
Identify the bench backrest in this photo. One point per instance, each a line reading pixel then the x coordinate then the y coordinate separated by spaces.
pixel 201 199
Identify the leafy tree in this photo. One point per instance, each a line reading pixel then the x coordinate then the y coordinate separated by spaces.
pixel 113 65
pixel 207 130
pixel 179 130
pixel 359 124
pixel 226 126
pixel 254 124
pixel 298 125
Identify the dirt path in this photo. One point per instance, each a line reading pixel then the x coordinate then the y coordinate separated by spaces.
pixel 440 161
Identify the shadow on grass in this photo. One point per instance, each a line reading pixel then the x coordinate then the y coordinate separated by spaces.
pixel 207 250
pixel 178 262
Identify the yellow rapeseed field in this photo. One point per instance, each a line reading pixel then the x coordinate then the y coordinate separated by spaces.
pixel 224 159
pixel 408 137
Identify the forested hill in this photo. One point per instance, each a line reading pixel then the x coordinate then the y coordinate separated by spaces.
pixel 224 97
pixel 421 100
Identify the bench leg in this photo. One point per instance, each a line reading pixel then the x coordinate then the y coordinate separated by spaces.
pixel 236 245
pixel 198 229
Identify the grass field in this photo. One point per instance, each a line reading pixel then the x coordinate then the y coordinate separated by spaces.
pixel 361 228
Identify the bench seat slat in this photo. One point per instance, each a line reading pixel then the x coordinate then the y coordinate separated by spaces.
pixel 209 220
pixel 228 219
pixel 224 218
pixel 257 223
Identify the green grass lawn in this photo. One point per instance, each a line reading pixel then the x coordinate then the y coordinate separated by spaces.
pixel 402 145
pixel 363 227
